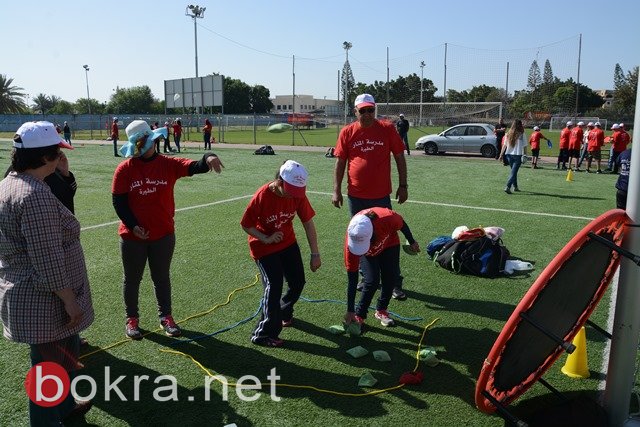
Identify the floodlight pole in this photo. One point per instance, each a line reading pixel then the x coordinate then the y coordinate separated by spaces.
pixel 195 11
pixel 346 46
pixel 86 75
pixel 626 321
pixel 422 64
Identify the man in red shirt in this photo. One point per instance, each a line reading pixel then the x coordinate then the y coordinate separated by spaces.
pixel 114 136
pixel 596 141
pixel 575 140
pixel 619 141
pixel 563 154
pixel 363 149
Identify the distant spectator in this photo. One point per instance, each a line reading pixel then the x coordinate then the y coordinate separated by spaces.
pixel 403 129
pixel 499 131
pixel 177 133
pixel 115 133
pixel 67 133
pixel 167 140
pixel 513 148
pixel 206 133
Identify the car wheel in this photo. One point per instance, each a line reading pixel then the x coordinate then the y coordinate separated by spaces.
pixel 488 151
pixel 430 148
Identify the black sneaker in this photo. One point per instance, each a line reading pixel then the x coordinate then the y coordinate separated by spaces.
pixel 132 330
pixel 598 171
pixel 398 294
pixel 170 327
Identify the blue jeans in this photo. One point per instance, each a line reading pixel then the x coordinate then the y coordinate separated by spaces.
pixel 514 162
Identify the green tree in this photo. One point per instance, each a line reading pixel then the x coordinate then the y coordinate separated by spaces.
pixel 42 104
pixel 237 96
pixel 63 107
pixel 624 97
pixel 11 97
pixel 81 106
pixel 618 77
pixel 259 99
pixel 347 82
pixel 534 79
pixel 134 100
pixel 547 75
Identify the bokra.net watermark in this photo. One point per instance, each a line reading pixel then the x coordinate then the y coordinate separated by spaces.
pixel 48 384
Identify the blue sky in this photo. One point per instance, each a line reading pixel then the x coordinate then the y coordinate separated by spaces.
pixel 144 42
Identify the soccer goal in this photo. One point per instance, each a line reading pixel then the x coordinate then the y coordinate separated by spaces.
pixel 559 122
pixel 440 113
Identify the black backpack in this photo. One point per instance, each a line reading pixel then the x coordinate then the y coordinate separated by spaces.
pixel 265 150
pixel 481 257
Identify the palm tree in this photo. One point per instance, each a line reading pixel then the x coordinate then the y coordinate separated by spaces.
pixel 11 97
pixel 42 103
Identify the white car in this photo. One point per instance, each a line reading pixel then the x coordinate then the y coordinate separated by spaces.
pixel 463 138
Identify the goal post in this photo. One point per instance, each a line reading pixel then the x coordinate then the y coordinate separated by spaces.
pixel 428 114
pixel 558 123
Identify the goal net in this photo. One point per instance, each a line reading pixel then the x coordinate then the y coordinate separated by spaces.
pixel 441 114
pixel 559 122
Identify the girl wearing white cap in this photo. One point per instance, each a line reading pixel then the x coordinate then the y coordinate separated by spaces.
pixel 268 220
pixel 142 191
pixel 372 244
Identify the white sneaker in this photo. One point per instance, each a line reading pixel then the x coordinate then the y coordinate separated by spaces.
pixel 384 318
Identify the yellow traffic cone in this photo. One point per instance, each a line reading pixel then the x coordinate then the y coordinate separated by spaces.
pixel 570 176
pixel 576 365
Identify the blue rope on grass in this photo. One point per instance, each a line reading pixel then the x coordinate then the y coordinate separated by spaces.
pixel 254 315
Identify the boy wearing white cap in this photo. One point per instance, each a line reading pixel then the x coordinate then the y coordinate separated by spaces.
pixel 534 141
pixel 563 145
pixel 268 220
pixel 372 244
pixel 596 141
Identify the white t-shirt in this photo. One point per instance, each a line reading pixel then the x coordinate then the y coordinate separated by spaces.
pixel 518 147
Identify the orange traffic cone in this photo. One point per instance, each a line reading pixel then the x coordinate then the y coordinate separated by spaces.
pixel 570 176
pixel 576 365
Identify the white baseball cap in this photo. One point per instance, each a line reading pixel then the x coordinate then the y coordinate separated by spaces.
pixel 359 234
pixel 536 128
pixel 401 115
pixel 580 123
pixel 597 124
pixel 621 125
pixel 365 100
pixel 138 129
pixel 294 177
pixel 615 126
pixel 569 123
pixel 38 135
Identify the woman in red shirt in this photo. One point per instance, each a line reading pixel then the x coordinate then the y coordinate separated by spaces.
pixel 177 132
pixel 268 220
pixel 142 192
pixel 206 132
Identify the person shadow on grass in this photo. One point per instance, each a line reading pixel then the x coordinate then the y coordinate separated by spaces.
pixel 191 408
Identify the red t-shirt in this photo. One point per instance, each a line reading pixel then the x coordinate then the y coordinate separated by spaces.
pixel 385 234
pixel 177 130
pixel 596 139
pixel 534 139
pixel 114 131
pixel 207 128
pixel 564 138
pixel 149 187
pixel 367 151
pixel 575 139
pixel 620 141
pixel 269 213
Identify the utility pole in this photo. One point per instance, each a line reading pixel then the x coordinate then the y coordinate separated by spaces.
pixel 422 64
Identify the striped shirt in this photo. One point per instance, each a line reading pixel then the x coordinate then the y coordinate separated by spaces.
pixel 40 253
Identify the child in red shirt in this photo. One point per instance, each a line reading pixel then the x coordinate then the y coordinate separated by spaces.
pixel 534 141
pixel 268 220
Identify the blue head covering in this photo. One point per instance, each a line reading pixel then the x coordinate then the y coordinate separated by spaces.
pixel 138 129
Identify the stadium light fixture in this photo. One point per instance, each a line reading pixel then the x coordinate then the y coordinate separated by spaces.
pixel 195 11
pixel 86 75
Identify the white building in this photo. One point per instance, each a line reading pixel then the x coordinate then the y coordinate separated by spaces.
pixel 306 104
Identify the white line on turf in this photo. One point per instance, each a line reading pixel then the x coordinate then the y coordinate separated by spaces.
pixel 483 208
pixel 233 199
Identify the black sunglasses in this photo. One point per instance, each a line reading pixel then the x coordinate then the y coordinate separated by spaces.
pixel 367 110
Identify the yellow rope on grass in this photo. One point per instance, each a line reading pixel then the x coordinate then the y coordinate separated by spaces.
pixel 194 316
pixel 309 387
